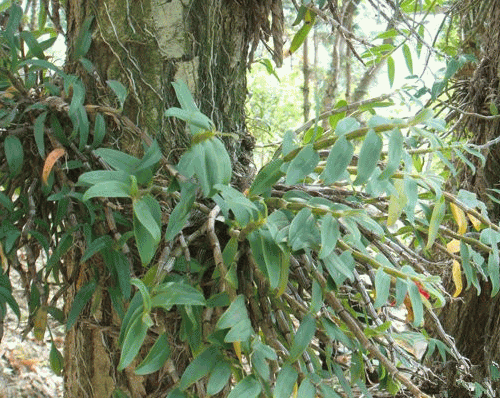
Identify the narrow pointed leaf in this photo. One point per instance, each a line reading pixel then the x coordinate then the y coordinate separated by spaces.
pixel 303 337
pixel 368 157
pixel 156 358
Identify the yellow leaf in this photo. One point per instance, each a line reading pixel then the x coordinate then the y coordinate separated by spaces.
pixel 40 323
pixel 295 390
pixel 475 222
pixel 237 350
pixel 457 277
pixel 397 203
pixel 459 216
pixel 453 246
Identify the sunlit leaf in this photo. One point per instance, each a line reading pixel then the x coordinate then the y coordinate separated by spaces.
pixel 339 158
pixel 302 165
pixel 369 156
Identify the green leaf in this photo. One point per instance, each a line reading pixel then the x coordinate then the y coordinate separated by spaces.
pixel 339 158
pixel 32 43
pixel 303 337
pixel 303 232
pixel 219 377
pixel 267 177
pixel 346 126
pixel 391 69
pixel 135 307
pixel 146 297
pixel 146 243
pixel 194 118
pixel 6 202
pixel 301 12
pixel 210 162
pixel 134 337
pixel 118 393
pixel 388 34
pixel 249 387
pixel 369 156
pixel 268 255
pixel 408 58
pixel 269 67
pixel 96 246
pixel 176 293
pixel 42 64
pixel 302 164
pixel 394 154
pixel 437 216
pixel 108 189
pixel 416 303
pixel 118 262
pixel 57 130
pixel 493 109
pixel 83 126
pixel 77 99
pixel 143 213
pixel 421 117
pixel 300 37
pixel 338 268
pixel 7 297
pixel 81 299
pixel 14 154
pixel 180 215
pixel 285 382
pixel 200 366
pixel 397 202
pixel 184 96
pixel 118 160
pixel 236 317
pixel 119 89
pixel 470 274
pixel 494 273
pixel 156 358
pixel 151 158
pixel 56 360
pixel 99 130
pixel 15 15
pixel 330 233
pixel 334 119
pixel 84 39
pixel 176 394
pixel 382 287
pixel 244 210
pixel 306 389
pixel 95 177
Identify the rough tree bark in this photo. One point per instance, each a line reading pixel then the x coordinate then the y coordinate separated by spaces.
pixel 146 45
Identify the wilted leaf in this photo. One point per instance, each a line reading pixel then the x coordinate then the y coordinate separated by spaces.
pixel 459 216
pixel 456 271
pixel 52 158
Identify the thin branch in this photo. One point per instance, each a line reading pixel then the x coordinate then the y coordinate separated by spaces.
pixel 353 326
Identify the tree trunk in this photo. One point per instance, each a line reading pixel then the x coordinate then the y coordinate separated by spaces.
pixel 146 45
pixel 473 320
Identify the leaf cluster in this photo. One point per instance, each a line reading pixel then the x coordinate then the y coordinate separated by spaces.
pixel 305 268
